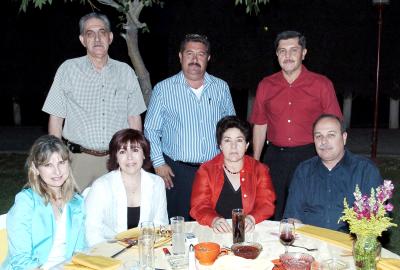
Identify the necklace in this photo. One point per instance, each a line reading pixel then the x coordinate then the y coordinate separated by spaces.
pixel 230 171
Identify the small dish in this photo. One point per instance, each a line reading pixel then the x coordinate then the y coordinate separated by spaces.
pixel 207 252
pixel 296 261
pixel 247 250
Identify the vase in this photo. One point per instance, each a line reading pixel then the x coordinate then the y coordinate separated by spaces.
pixel 366 252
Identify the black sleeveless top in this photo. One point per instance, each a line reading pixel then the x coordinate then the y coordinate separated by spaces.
pixel 228 199
pixel 133 217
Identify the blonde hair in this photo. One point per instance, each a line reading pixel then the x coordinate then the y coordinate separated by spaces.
pixel 40 154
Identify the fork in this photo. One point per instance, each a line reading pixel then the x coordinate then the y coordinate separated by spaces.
pixel 308 249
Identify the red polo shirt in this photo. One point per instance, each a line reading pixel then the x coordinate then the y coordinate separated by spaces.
pixel 290 110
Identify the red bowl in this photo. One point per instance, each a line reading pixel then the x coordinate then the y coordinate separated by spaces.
pixel 296 261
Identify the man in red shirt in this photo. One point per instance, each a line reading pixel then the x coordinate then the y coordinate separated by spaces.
pixel 287 103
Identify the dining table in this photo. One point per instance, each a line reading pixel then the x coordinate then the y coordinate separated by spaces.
pixel 325 245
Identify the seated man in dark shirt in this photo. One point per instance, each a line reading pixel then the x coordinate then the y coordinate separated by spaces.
pixel 320 184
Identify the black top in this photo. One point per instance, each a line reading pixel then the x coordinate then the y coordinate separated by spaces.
pixel 228 199
pixel 133 217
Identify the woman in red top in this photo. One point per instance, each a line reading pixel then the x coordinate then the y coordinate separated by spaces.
pixel 232 180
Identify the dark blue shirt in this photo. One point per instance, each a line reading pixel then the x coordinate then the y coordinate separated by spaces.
pixel 316 194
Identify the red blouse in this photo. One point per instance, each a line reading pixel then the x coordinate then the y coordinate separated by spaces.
pixel 258 194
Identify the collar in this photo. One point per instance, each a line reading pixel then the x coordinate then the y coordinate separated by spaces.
pixel 303 74
pixel 180 79
pixel 90 64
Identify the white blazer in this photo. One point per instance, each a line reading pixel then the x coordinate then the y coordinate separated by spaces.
pixel 106 205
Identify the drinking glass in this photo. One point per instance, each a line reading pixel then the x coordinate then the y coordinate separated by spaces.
pixel 178 235
pixel 146 252
pixel 238 225
pixel 286 232
pixel 147 228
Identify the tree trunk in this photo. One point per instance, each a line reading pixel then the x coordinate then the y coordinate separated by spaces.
pixel 347 103
pixel 132 26
pixel 394 114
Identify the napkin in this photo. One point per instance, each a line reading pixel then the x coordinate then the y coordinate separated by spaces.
pixel 83 261
pixel 131 233
pixel 388 264
pixel 340 239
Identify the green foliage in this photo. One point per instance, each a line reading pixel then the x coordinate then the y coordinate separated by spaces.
pixel 39 3
pixel 251 5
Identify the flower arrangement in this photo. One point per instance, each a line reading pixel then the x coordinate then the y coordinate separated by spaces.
pixel 367 216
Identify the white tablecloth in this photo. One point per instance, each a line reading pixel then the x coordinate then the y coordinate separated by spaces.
pixel 266 233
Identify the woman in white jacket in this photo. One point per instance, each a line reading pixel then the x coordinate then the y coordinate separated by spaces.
pixel 127 195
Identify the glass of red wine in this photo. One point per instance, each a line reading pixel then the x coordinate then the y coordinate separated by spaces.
pixel 286 232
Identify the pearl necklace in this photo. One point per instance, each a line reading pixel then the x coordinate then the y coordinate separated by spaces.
pixel 230 171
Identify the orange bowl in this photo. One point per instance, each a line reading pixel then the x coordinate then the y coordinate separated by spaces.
pixel 207 252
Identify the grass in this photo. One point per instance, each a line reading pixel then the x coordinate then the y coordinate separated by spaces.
pixel 12 179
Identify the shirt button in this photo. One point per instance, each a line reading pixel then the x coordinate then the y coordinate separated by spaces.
pixel 242 179
pixel 290 103
pixel 245 195
pixel 289 121
pixel 289 139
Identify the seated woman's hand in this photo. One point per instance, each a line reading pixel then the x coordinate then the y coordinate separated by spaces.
pixel 250 223
pixel 219 225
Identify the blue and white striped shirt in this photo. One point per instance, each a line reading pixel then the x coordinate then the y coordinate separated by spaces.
pixel 182 126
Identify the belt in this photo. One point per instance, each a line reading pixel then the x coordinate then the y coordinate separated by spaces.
pixel 189 163
pixel 76 148
pixel 293 148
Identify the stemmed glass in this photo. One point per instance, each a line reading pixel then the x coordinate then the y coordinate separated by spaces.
pixel 286 232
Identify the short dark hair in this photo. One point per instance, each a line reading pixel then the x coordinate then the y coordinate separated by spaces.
pixel 232 121
pixel 290 34
pixel 332 116
pixel 195 38
pixel 120 140
pixel 94 15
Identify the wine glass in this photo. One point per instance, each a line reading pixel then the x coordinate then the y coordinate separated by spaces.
pixel 286 232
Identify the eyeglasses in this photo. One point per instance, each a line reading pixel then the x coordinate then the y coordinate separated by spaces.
pixel 291 51
pixel 102 33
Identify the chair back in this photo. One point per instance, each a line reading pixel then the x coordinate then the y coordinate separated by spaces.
pixel 3 238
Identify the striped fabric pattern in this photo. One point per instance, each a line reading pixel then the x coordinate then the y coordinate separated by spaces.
pixel 181 125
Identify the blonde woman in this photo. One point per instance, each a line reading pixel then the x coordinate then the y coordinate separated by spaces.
pixel 46 223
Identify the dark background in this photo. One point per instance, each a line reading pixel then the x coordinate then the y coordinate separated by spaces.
pixel 341 41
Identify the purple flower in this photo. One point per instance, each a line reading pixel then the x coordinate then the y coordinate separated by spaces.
pixel 389 207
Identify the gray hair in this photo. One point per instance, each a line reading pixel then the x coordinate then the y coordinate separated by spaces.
pixel 94 15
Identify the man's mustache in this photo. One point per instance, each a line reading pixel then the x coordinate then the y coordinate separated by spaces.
pixel 196 64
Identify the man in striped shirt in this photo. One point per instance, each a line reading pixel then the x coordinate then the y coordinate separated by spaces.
pixel 181 121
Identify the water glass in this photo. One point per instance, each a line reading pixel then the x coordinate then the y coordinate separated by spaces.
pixel 131 265
pixel 238 224
pixel 178 235
pixel 147 228
pixel 146 252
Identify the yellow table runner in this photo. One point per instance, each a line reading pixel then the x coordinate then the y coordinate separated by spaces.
pixel 340 239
